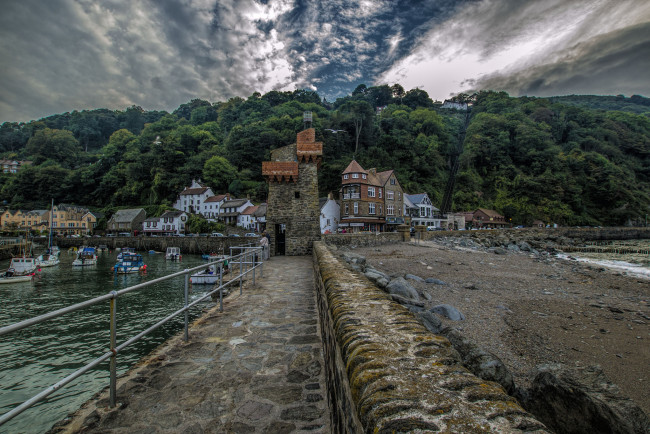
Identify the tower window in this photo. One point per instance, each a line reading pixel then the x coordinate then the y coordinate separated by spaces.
pixel 297 195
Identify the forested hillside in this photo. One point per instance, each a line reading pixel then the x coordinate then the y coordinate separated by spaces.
pixel 577 160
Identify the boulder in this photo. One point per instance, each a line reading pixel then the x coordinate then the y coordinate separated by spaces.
pixel 434 281
pixel 524 246
pixel 448 311
pixel 402 288
pixel 414 277
pixel 430 321
pixel 572 400
pixel 480 362
pixel 353 258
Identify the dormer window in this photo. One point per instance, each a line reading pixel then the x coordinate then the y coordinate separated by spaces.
pixel 346 176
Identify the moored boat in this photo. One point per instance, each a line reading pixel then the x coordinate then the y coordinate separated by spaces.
pixel 173 254
pixel 47 260
pixel 8 277
pixel 130 263
pixel 22 265
pixel 210 275
pixel 85 257
pixel 125 251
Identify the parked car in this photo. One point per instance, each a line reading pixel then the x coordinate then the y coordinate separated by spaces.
pixel 217 234
pixel 234 235
pixel 251 234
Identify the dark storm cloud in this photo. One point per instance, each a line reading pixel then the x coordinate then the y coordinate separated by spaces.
pixel 614 63
pixel 62 55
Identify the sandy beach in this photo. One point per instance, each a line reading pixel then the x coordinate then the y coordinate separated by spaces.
pixel 535 309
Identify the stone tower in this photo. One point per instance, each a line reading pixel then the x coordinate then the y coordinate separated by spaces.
pixel 292 215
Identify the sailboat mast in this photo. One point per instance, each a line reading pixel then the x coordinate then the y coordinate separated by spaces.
pixel 51 223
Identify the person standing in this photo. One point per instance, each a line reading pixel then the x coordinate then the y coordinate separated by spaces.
pixel 264 242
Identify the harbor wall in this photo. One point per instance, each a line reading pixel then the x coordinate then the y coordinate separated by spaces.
pixel 387 373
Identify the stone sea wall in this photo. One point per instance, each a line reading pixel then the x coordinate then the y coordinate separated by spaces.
pixel 362 239
pixel 387 373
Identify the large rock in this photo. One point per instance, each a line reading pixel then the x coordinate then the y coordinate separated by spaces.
pixel 378 278
pixel 480 362
pixel 402 288
pixel 430 321
pixel 414 277
pixel 448 311
pixel 353 258
pixel 434 281
pixel 582 400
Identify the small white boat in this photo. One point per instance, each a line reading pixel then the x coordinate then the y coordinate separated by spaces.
pixel 8 277
pixel 173 254
pixel 85 257
pixel 47 260
pixel 209 276
pixel 22 265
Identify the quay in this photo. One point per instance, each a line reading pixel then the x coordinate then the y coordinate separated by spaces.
pixel 311 347
pixel 255 367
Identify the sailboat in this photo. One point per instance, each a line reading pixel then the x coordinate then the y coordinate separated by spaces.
pixel 51 255
pixel 21 268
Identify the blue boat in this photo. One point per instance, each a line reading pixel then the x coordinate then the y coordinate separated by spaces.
pixel 130 263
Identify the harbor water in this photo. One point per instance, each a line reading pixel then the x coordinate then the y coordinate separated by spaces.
pixel 34 358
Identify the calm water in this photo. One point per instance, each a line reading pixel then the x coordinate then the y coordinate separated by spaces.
pixel 36 357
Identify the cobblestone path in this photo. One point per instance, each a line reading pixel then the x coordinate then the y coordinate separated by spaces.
pixel 255 368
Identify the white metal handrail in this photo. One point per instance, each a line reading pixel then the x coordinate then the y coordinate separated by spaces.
pixel 249 257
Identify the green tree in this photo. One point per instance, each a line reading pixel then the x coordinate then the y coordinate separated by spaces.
pixel 57 145
pixel 219 173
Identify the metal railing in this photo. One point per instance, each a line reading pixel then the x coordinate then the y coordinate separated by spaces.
pixel 248 260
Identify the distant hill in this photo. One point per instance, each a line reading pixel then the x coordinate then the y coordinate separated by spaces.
pixel 572 160
pixel 634 104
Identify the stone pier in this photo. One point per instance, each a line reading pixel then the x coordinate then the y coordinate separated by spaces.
pixel 255 368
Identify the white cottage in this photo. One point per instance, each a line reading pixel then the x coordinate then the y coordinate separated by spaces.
pixel 190 200
pixel 330 213
pixel 231 209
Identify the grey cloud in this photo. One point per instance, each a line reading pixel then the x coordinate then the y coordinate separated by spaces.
pixel 614 63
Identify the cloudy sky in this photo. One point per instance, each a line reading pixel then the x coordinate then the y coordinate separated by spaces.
pixel 64 55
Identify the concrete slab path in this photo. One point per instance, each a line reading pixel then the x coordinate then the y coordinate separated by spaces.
pixel 255 368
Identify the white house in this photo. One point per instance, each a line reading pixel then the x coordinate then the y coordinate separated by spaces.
pixel 330 213
pixel 260 218
pixel 211 206
pixel 192 197
pixel 423 212
pixel 246 219
pixel 231 209
pixel 152 226
pixel 170 223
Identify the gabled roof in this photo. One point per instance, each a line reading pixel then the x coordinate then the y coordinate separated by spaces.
pixel 354 167
pixel 384 176
pixel 260 211
pixel 126 215
pixel 172 214
pixel 194 191
pixel 234 203
pixel 152 219
pixel 249 210
pixel 489 212
pixel 217 198
pixel 416 198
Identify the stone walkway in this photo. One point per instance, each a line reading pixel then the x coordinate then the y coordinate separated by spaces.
pixel 255 368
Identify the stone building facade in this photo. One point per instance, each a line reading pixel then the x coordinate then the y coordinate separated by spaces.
pixel 292 216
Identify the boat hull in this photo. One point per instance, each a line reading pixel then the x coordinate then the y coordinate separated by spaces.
pixel 15 279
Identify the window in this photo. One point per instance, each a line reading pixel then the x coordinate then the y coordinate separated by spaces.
pixel 346 176
pixel 381 210
pixel 390 210
pixel 297 195
pixel 327 222
pixel 364 176
pixel 371 191
pixel 379 190
pixel 356 207
pixel 347 211
pixel 389 195
pixel 355 175
pixel 392 181
pixel 371 208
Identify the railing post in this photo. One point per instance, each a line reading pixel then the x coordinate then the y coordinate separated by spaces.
pixel 221 287
pixel 187 285
pixel 241 277
pixel 254 260
pixel 113 363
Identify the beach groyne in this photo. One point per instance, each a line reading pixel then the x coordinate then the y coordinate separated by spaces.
pixel 386 372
